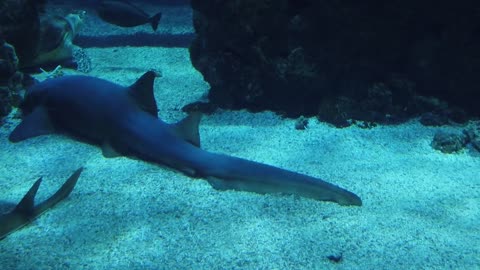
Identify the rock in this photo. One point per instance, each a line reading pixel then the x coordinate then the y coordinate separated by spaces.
pixel 199 106
pixel 293 57
pixel 430 119
pixel 11 80
pixel 457 115
pixel 5 106
pixel 40 39
pixel 338 113
pixel 472 134
pixel 444 116
pixel 8 62
pixel 55 43
pixel 301 123
pixel 449 142
pixel 20 25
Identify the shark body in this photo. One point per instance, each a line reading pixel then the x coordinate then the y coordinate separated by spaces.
pixel 26 211
pixel 123 120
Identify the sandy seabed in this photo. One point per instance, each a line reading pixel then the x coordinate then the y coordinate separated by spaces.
pixel 421 207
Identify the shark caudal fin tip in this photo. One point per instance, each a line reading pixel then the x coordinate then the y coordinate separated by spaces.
pixel 28 201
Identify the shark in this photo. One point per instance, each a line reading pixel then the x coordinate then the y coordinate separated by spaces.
pixel 124 121
pixel 26 211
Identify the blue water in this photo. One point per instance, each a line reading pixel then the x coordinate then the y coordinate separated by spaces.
pixel 421 207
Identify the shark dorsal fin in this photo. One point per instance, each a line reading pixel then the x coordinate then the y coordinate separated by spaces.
pixel 142 92
pixel 187 128
pixel 26 205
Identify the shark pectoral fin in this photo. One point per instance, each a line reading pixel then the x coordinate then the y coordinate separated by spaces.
pixel 219 184
pixel 142 92
pixel 187 128
pixel 26 205
pixel 35 124
pixel 108 151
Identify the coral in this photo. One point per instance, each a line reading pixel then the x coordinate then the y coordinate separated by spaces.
pixel 57 72
pixel 11 80
pixel 82 60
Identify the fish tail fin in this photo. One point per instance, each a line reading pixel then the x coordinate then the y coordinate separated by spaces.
pixel 155 20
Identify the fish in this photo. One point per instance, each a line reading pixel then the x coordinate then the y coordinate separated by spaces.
pixel 125 14
pixel 26 211
pixel 124 121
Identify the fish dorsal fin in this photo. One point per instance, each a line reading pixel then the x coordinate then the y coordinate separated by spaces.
pixel 187 128
pixel 26 205
pixel 142 92
pixel 35 124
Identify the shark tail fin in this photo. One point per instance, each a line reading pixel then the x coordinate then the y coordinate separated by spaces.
pixel 61 193
pixel 26 205
pixel 155 20
pixel 187 128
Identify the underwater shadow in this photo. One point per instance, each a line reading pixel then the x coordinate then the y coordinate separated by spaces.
pixel 136 40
